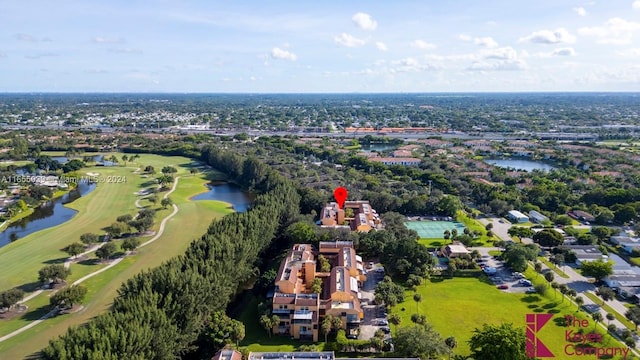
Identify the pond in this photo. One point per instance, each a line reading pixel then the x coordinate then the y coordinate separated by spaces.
pixel 49 214
pixel 377 147
pixel 520 164
pixel 227 192
pixel 97 158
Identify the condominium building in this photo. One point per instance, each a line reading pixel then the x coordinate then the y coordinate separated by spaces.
pixel 300 310
pixel 364 217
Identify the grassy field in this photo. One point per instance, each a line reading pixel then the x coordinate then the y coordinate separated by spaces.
pixel 191 221
pixel 473 225
pixel 554 268
pixel 455 307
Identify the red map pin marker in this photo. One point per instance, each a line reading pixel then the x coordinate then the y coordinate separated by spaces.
pixel 340 194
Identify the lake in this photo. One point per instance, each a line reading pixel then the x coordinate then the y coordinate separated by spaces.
pixel 98 158
pixel 518 164
pixel 49 214
pixel 230 193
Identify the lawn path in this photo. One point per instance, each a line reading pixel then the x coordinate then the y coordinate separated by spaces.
pixel 112 264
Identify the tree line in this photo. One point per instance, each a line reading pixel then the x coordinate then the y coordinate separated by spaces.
pixel 161 313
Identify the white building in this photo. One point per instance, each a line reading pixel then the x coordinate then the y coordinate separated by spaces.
pixel 537 217
pixel 517 216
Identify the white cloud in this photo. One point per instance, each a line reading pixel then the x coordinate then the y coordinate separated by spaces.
pixel 465 37
pixel 581 11
pixel 348 40
pixel 364 21
pixel 103 40
pixel 381 46
pixel 557 36
pixel 421 44
pixel 281 54
pixel 615 31
pixel 636 4
pixel 410 64
pixel 486 42
pixel 563 52
pixel 500 59
pixel 503 53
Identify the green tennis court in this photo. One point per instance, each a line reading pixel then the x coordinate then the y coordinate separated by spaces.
pixel 434 229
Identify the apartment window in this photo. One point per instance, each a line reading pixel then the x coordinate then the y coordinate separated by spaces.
pixel 343 314
pixel 303 328
pixel 304 308
pixel 283 306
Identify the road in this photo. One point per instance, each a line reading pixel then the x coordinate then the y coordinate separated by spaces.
pixel 500 227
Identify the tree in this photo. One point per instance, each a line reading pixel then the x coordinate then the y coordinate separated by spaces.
pixel 540 289
pixel 124 218
pixel 268 323
pixel 579 301
pixel 446 234
pixel 520 232
pixel 164 180
pixel 130 244
pixel 395 320
pixel 417 298
pixel 597 317
pixel 549 276
pixel 55 273
pixel 610 317
pixel 555 286
pixel 301 233
pixel 166 202
pixel 106 251
pixel 419 341
pixel 74 249
pixel 125 158
pixel 11 297
pixel 557 259
pixel 601 232
pixel 89 238
pixel 168 170
pixel 605 293
pixel 117 229
pixel 451 343
pixel 502 341
pixel 388 293
pixel 563 290
pixel 325 265
pixel 316 286
pixel 418 319
pixel 149 169
pixel 548 238
pixel 69 296
pixel 326 326
pixel 538 267
pixel 153 199
pixel 633 314
pixel 221 330
pixel 597 269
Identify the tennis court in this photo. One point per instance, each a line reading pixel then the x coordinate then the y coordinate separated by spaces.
pixel 434 229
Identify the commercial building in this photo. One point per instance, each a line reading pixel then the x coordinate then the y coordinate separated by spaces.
pixel 300 310
pixel 364 217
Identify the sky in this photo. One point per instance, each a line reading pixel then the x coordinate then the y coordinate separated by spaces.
pixel 331 46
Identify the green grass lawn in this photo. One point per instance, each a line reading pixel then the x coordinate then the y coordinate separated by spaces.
pixel 554 268
pixel 256 337
pixel 609 309
pixel 473 224
pixel 191 221
pixel 434 243
pixel 455 307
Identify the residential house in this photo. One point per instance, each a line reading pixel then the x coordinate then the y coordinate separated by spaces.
pixel 302 355
pixel 537 217
pixel 405 161
pixel 628 244
pixel 517 216
pixel 301 311
pixel 585 253
pixel 625 281
pixel 581 215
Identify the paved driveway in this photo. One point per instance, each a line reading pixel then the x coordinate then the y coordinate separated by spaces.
pixel 500 227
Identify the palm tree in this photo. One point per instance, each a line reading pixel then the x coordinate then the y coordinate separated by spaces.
pixel 447 234
pixel 563 290
pixel 579 301
pixel 549 276
pixel 555 286
pixel 417 298
pixel 597 317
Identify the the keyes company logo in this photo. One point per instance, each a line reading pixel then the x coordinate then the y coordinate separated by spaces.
pixel 579 339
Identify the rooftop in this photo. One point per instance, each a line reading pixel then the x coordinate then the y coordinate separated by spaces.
pixel 325 355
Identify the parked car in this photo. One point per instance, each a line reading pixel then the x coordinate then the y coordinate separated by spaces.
pixel 524 282
pixel 385 329
pixel 503 286
pixel 531 290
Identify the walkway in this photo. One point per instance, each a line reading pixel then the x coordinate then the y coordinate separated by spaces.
pixel 84 278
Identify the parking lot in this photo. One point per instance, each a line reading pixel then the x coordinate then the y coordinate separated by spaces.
pixel 513 282
pixel 375 316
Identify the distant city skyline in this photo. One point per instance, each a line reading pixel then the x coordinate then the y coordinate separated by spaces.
pixel 330 46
